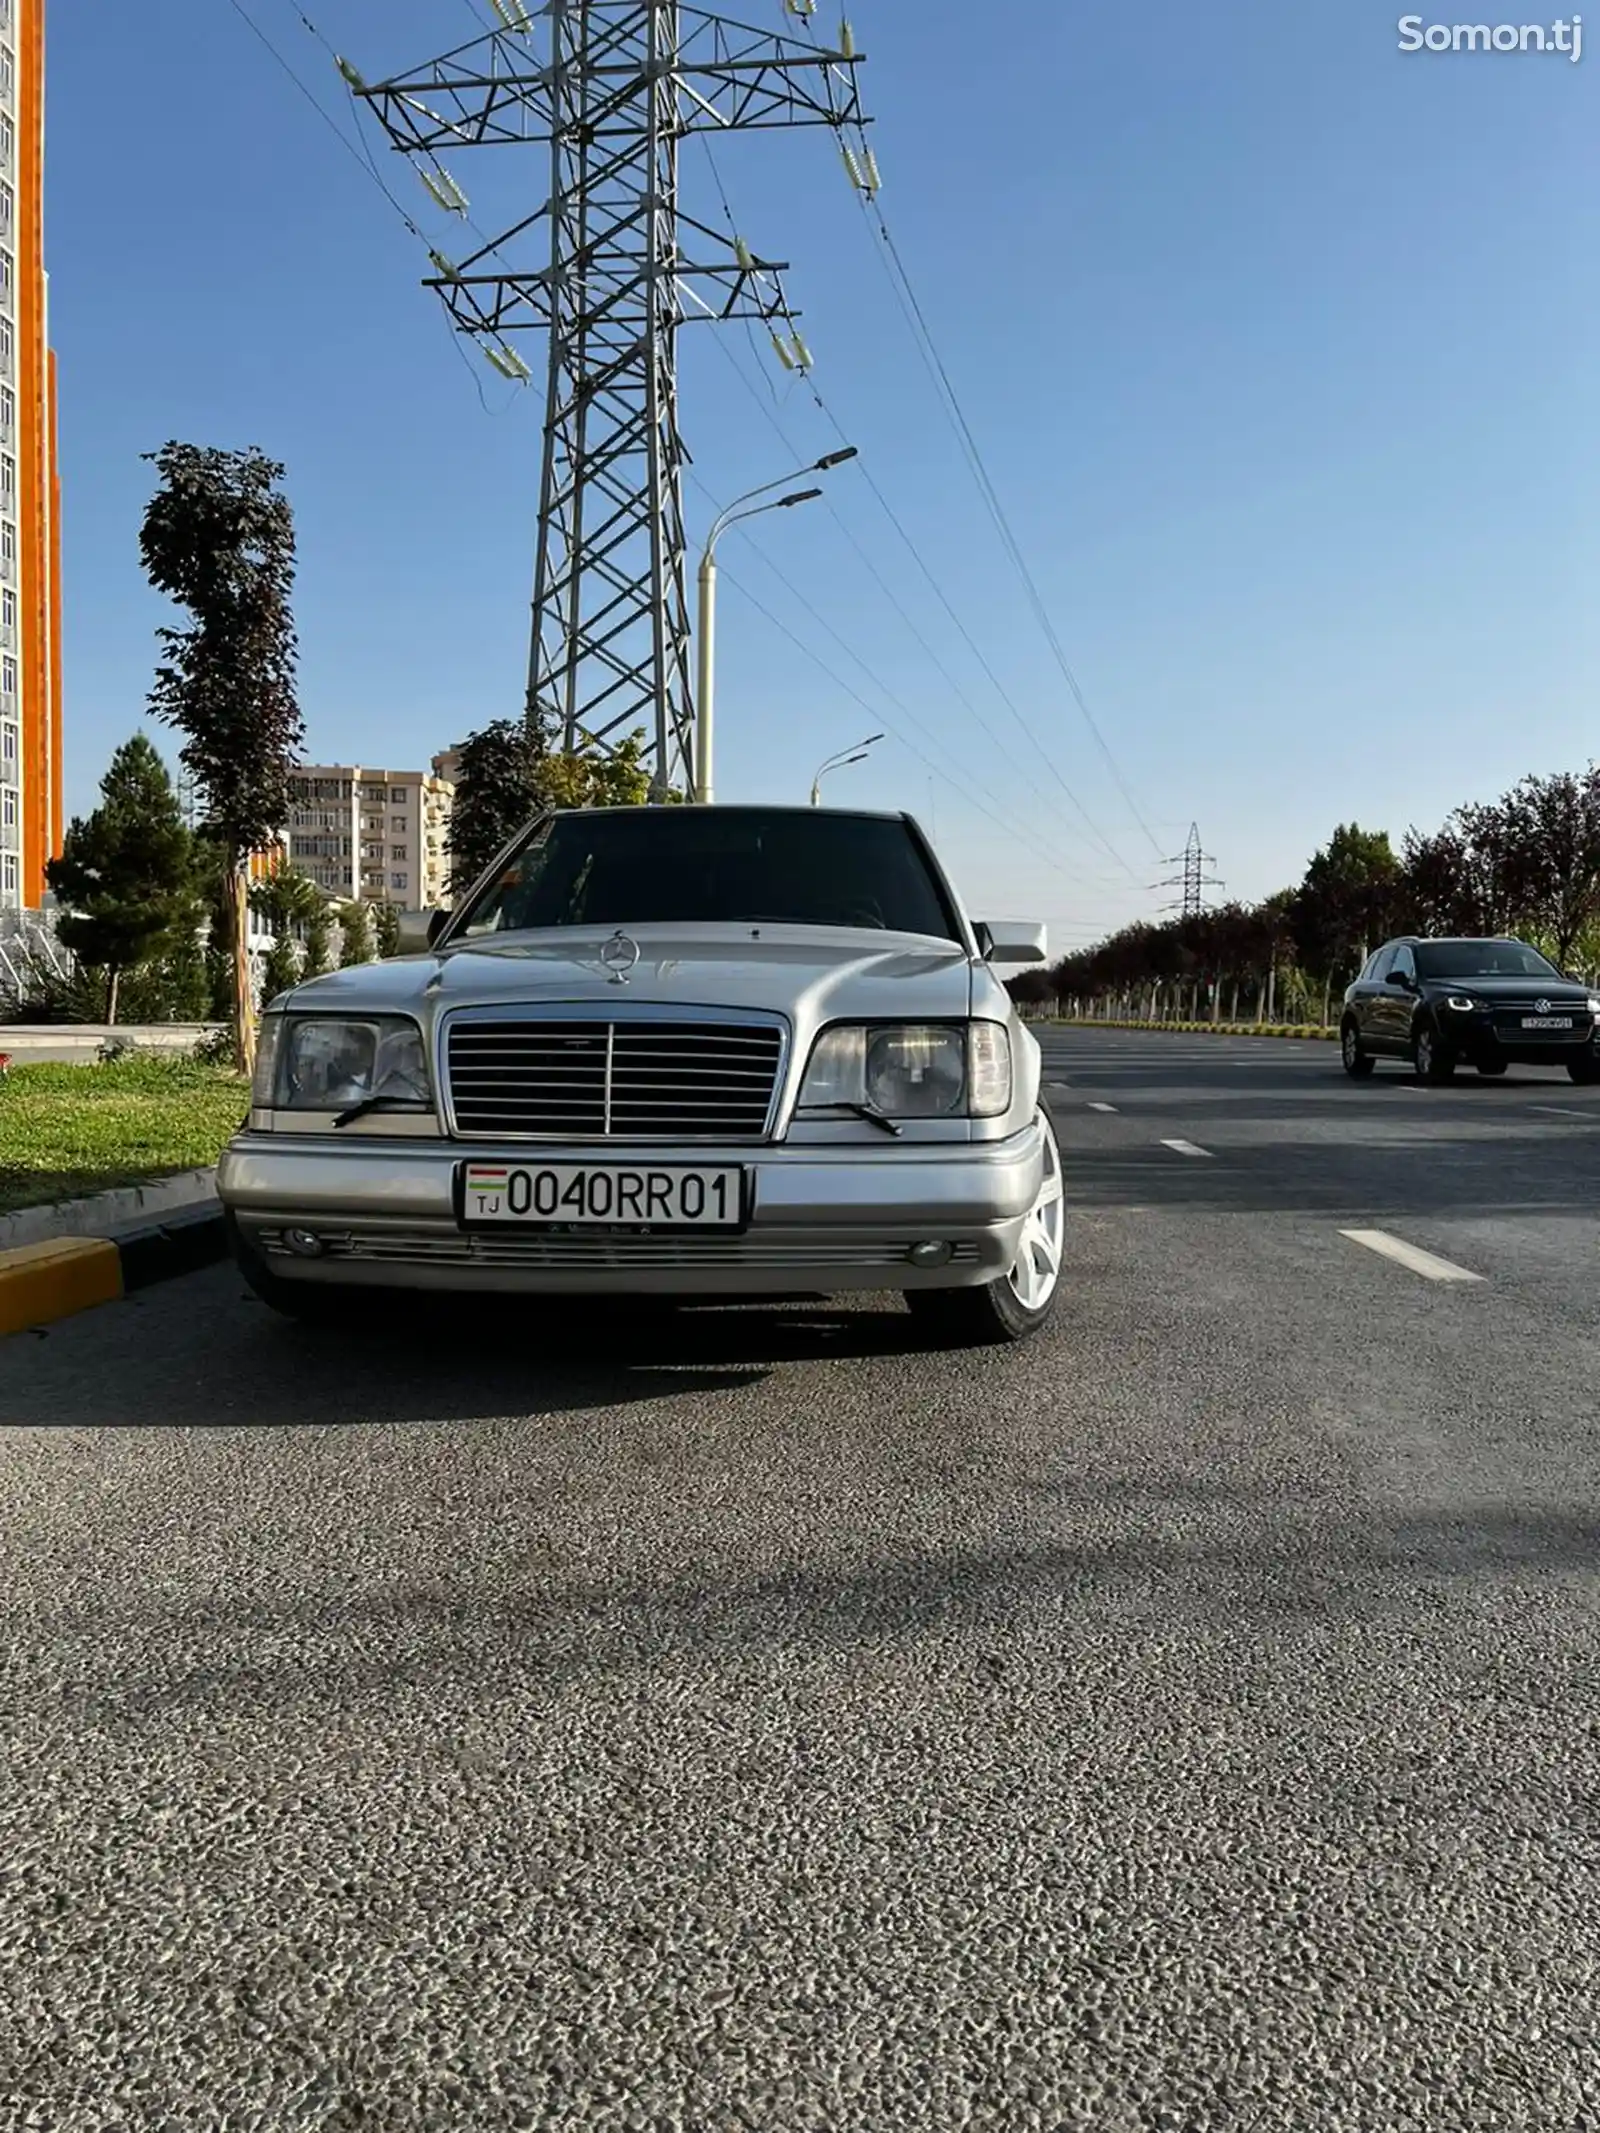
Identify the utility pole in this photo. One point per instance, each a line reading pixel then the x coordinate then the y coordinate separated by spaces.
pixel 610 89
pixel 1194 878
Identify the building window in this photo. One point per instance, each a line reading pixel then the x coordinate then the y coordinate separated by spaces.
pixel 8 141
pixel 8 345
pixel 399 880
pixel 8 811
pixel 8 742
pixel 397 851
pixel 8 676
pixel 8 481
pixel 8 544
pixel 8 65
pixel 11 875
pixel 8 609
pixel 8 275
pixel 8 209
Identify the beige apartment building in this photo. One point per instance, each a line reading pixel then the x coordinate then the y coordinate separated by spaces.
pixel 377 836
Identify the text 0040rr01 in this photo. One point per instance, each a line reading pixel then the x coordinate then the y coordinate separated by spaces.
pixel 710 1196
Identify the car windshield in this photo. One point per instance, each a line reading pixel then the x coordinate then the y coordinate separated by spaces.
pixel 1482 959
pixel 715 865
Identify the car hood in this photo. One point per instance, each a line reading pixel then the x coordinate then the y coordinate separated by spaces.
pixel 812 974
pixel 1558 991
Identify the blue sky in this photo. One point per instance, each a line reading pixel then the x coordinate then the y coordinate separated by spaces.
pixel 1280 346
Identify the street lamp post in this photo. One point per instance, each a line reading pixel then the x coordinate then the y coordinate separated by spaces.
pixel 742 507
pixel 838 762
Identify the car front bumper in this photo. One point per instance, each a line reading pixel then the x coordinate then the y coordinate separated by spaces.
pixel 824 1218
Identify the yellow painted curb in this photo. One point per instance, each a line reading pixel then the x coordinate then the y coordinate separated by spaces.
pixel 41 1282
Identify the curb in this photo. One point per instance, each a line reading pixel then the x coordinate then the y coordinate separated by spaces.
pixel 108 1214
pixel 40 1283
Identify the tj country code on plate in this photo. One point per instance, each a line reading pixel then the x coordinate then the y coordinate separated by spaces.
pixel 709 1197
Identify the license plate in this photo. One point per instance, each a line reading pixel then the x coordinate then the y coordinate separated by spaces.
pixel 604 1195
pixel 1547 1022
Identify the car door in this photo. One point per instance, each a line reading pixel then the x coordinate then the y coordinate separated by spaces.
pixel 1396 1003
pixel 1367 1005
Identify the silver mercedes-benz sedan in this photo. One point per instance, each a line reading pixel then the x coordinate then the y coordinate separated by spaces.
pixel 708 1051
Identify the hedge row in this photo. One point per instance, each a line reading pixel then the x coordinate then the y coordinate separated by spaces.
pixel 1299 1031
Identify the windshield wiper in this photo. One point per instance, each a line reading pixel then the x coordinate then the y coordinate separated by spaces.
pixel 869 1112
pixel 377 1103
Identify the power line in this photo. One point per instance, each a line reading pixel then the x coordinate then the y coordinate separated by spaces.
pixel 862 169
pixel 964 785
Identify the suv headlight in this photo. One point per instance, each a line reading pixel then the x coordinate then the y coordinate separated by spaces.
pixel 1594 1006
pixel 1463 1003
pixel 911 1069
pixel 334 1062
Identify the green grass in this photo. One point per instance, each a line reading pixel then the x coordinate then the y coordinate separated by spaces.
pixel 70 1130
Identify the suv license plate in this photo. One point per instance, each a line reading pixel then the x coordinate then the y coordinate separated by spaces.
pixel 604 1195
pixel 1547 1022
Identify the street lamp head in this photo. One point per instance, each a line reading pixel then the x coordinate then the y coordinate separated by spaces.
pixel 836 459
pixel 800 496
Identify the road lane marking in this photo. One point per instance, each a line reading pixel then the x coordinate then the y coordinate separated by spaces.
pixel 1102 1107
pixel 1409 1255
pixel 1563 1111
pixel 1188 1148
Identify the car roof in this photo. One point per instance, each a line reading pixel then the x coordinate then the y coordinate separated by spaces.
pixel 1445 940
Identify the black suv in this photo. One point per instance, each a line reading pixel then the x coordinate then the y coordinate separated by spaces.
pixel 1490 1003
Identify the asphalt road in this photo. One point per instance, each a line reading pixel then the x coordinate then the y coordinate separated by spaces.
pixel 1186 1721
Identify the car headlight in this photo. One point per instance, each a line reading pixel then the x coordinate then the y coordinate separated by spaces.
pixel 1463 1003
pixel 911 1069
pixel 1594 1006
pixel 334 1062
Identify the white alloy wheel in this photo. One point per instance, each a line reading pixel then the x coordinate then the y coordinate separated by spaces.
pixel 1018 1302
pixel 1037 1268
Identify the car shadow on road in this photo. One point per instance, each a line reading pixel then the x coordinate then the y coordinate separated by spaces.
pixel 229 1362
pixel 559 1626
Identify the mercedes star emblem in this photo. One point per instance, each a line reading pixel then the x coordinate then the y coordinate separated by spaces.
pixel 619 956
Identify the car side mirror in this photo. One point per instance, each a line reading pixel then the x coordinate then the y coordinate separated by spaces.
pixel 418 930
pixel 1003 940
pixel 1398 977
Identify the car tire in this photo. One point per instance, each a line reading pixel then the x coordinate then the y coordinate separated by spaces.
pixel 1491 1067
pixel 1357 1063
pixel 1019 1302
pixel 1434 1062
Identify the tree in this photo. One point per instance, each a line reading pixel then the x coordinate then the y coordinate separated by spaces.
pixel 317 947
pixel 1346 903
pixel 126 874
pixel 218 540
pixel 290 902
pixel 386 925
pixel 506 775
pixel 1551 831
pixel 497 792
pixel 355 935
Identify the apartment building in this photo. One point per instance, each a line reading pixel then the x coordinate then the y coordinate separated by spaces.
pixel 373 835
pixel 30 518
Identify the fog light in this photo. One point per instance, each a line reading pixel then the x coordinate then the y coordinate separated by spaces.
pixel 930 1254
pixel 305 1243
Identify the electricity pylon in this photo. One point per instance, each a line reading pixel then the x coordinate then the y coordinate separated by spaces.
pixel 611 88
pixel 1194 877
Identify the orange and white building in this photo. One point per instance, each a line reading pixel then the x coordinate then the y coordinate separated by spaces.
pixel 30 515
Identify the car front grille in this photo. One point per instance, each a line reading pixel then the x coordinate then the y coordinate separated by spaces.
pixel 400 1246
pixel 538 1078
pixel 1507 1021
